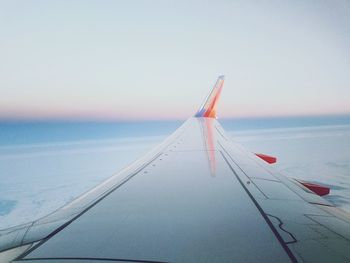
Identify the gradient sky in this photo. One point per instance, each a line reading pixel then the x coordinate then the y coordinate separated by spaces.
pixel 158 59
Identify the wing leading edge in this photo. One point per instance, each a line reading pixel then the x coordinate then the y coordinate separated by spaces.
pixel 198 197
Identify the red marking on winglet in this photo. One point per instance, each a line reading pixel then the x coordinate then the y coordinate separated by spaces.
pixel 316 188
pixel 208 109
pixel 267 158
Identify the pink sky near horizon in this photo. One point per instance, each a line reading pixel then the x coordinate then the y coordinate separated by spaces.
pixel 140 113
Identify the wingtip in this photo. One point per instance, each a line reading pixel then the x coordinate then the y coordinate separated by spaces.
pixel 208 109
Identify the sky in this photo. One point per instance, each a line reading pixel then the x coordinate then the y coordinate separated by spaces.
pixel 121 60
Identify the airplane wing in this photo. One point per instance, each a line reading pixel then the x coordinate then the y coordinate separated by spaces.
pixel 197 197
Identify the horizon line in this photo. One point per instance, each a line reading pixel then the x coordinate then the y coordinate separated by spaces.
pixel 133 119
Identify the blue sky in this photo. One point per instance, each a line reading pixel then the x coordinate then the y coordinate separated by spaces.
pixel 158 59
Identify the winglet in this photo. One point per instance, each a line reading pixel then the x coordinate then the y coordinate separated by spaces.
pixel 208 109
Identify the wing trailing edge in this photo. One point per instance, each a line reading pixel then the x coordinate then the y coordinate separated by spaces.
pixel 208 108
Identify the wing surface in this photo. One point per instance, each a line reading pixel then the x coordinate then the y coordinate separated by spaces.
pixel 198 197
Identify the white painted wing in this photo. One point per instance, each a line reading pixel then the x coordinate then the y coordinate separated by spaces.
pixel 198 197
